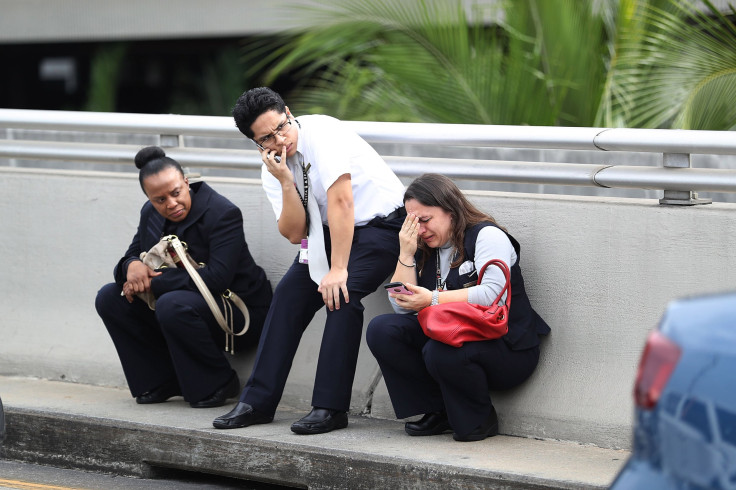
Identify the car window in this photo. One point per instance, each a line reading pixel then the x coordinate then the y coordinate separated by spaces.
pixel 727 422
pixel 694 414
pixel 669 404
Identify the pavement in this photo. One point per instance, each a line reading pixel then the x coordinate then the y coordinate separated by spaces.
pixel 103 429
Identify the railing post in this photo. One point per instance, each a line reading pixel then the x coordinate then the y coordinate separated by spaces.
pixel 176 141
pixel 680 198
pixel 170 140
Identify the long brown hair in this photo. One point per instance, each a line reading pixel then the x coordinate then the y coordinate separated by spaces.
pixel 435 190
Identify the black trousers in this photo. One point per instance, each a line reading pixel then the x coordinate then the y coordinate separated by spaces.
pixel 179 342
pixel 296 300
pixel 423 375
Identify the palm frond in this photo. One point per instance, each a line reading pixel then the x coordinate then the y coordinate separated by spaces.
pixel 678 72
pixel 427 60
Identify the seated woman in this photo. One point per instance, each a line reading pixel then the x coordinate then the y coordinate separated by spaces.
pixel 178 348
pixel 445 241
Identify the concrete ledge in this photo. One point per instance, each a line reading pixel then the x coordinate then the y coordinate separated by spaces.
pixel 97 428
pixel 599 270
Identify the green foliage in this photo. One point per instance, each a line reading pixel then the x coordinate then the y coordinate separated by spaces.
pixel 636 63
pixel 676 68
pixel 104 76
pixel 435 61
pixel 214 91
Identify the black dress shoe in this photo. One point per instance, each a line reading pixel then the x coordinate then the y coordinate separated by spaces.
pixel 430 424
pixel 160 394
pixel 319 421
pixel 242 415
pixel 489 428
pixel 231 389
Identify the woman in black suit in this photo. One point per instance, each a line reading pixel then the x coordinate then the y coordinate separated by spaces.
pixel 178 348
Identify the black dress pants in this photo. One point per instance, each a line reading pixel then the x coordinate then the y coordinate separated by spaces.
pixel 372 258
pixel 179 342
pixel 423 375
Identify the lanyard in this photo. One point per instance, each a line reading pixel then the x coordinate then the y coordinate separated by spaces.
pixel 305 198
pixel 440 283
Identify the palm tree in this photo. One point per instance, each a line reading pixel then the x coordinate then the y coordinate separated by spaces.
pixel 436 61
pixel 675 68
pixel 636 63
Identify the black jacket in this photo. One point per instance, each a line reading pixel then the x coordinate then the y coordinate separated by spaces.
pixel 213 231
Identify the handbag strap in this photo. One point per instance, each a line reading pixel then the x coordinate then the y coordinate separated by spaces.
pixel 507 274
pixel 207 295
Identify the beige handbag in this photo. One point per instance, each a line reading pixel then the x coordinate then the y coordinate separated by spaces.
pixel 169 253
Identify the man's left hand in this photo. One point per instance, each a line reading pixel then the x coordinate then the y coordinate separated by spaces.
pixel 335 281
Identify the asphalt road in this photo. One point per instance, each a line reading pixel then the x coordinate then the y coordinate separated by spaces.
pixel 23 476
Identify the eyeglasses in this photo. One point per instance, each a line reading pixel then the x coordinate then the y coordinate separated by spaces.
pixel 281 130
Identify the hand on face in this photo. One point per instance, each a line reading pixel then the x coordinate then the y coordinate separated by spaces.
pixel 276 134
pixel 278 169
pixel 408 237
pixel 434 225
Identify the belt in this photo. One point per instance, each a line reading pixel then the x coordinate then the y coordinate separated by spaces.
pixel 393 215
pixel 396 213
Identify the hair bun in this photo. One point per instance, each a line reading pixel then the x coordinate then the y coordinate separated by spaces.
pixel 147 154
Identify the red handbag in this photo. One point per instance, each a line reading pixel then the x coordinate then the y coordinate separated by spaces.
pixel 459 322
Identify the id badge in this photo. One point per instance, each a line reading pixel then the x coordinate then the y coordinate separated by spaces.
pixel 303 252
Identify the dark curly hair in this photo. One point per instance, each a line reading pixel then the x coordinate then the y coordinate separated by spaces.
pixel 152 160
pixel 436 190
pixel 252 104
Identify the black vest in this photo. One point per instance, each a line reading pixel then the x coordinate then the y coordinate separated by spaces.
pixel 525 325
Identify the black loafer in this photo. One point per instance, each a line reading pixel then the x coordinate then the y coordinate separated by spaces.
pixel 319 421
pixel 430 424
pixel 242 415
pixel 489 428
pixel 231 389
pixel 160 394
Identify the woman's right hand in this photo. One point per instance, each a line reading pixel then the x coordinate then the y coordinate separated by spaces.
pixel 408 238
pixel 421 298
pixel 138 279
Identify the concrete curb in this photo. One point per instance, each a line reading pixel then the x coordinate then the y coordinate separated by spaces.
pixel 102 429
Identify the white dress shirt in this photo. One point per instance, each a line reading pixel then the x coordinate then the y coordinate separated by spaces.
pixel 332 150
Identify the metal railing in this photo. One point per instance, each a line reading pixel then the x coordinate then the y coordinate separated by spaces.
pixel 675 176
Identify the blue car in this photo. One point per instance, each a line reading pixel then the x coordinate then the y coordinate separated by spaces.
pixel 685 400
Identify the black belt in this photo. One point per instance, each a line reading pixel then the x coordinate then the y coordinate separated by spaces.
pixel 394 215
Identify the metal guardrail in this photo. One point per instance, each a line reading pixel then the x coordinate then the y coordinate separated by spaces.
pixel 676 177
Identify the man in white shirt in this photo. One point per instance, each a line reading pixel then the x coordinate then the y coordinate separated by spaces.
pixel 333 194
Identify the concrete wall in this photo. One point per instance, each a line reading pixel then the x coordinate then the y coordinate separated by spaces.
pixel 599 270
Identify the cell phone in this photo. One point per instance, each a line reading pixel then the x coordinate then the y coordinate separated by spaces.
pixel 397 288
pixel 260 147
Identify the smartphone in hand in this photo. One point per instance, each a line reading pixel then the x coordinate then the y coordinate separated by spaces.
pixel 260 147
pixel 397 288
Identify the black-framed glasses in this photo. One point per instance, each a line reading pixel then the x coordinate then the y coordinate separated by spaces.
pixel 281 130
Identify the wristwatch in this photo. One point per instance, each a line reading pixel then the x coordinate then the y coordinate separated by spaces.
pixel 435 298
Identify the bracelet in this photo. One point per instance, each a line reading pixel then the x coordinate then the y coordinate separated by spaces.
pixel 435 298
pixel 407 265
